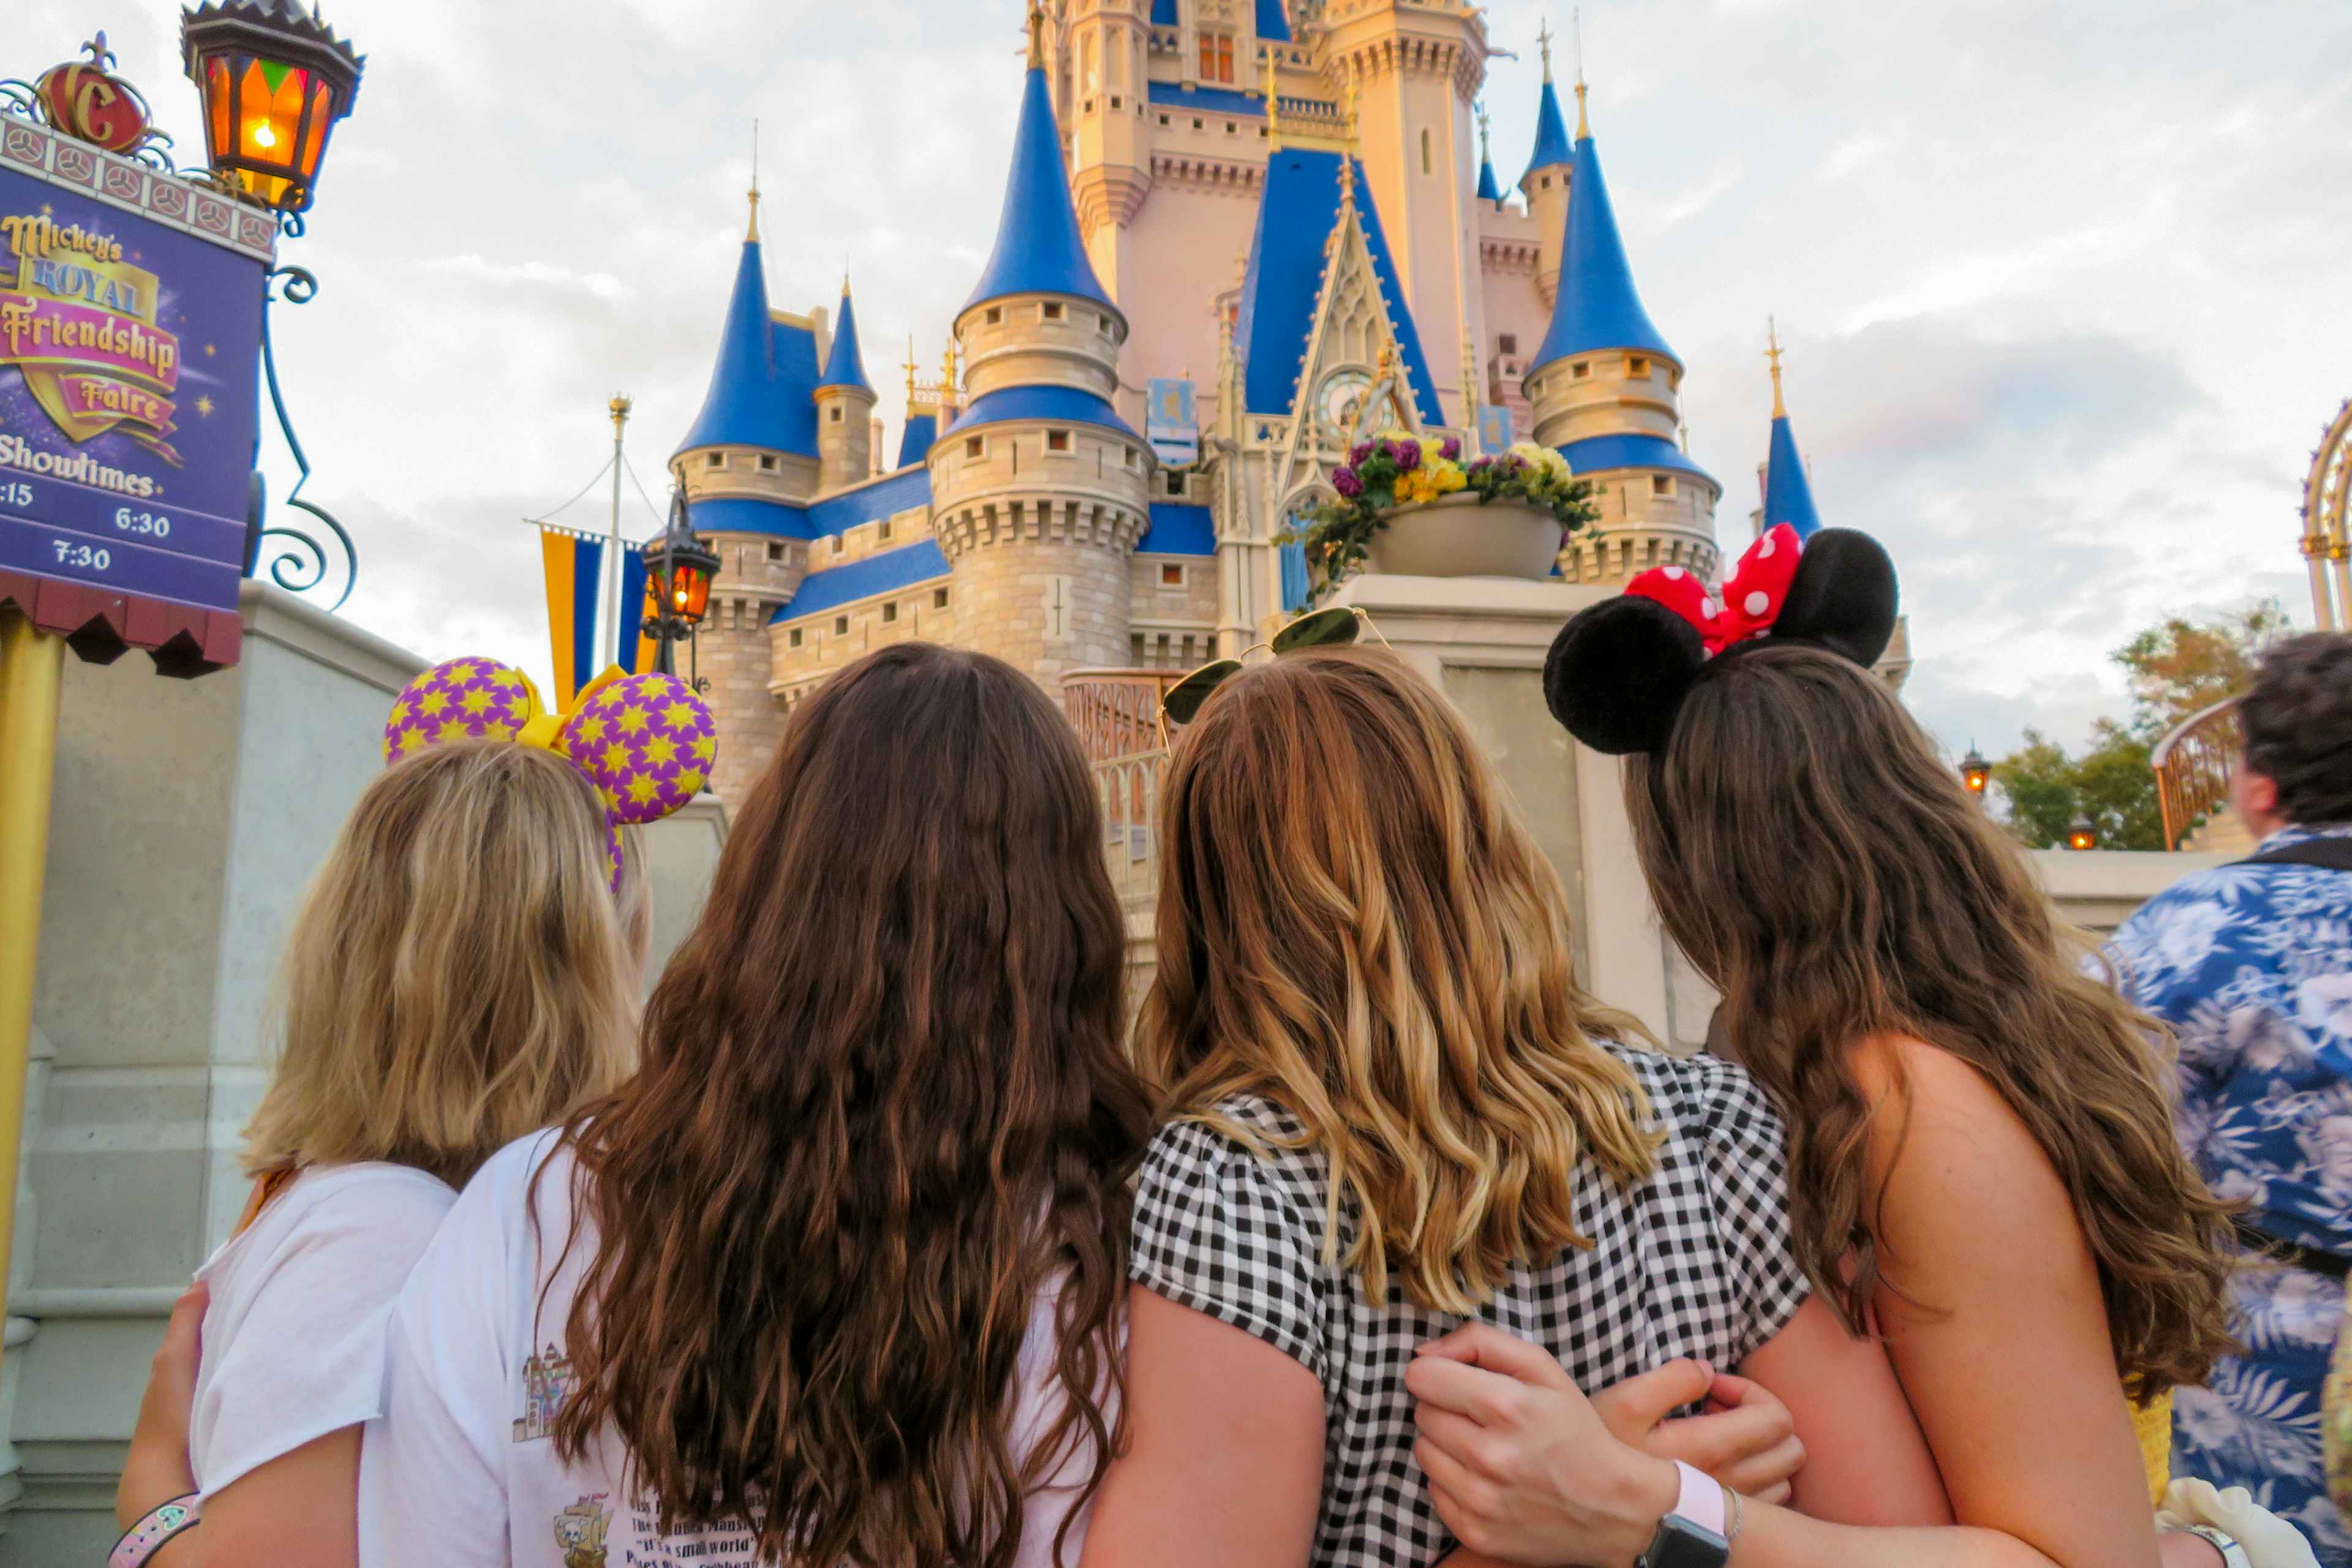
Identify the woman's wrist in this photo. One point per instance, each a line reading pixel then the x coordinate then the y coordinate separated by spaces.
pixel 1647 1492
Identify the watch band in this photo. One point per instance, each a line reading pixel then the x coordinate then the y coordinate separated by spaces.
pixel 1702 1499
pixel 2233 1554
pixel 1692 1536
pixel 147 1537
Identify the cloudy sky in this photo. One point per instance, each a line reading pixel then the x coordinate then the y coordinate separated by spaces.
pixel 2064 286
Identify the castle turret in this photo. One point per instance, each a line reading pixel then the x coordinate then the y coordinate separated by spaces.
pixel 1488 191
pixel 756 436
pixel 1039 487
pixel 1105 89
pixel 844 407
pixel 1607 392
pixel 1546 183
pixel 1787 489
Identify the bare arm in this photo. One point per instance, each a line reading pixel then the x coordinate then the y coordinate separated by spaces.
pixel 1865 1461
pixel 299 1511
pixel 1186 1491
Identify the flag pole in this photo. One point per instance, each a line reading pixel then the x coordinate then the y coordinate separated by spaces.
pixel 608 619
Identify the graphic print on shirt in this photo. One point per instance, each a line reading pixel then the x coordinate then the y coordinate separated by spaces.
pixel 547 1383
pixel 580 1531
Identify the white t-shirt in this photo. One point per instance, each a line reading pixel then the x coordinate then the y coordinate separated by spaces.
pixel 293 1338
pixel 462 1472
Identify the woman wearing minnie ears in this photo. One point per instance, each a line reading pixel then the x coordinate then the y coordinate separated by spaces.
pixel 459 974
pixel 1982 1169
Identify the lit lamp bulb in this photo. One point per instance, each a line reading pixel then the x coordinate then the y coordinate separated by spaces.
pixel 2082 835
pixel 263 136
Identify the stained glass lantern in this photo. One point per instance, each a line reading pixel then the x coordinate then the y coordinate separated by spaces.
pixel 274 80
pixel 2082 836
pixel 1975 772
pixel 679 570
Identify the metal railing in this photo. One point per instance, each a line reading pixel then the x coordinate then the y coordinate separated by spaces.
pixel 1116 715
pixel 2193 767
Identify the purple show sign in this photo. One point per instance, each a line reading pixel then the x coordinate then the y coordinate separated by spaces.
pixel 129 393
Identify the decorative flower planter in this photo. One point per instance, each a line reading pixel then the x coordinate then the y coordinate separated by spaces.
pixel 1455 536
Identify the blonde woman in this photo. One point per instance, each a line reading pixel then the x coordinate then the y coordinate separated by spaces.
pixel 465 969
pixel 1391 1111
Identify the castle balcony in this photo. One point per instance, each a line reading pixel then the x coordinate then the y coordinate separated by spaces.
pixel 1116 715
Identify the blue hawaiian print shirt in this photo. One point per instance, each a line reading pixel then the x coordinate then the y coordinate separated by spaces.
pixel 2251 966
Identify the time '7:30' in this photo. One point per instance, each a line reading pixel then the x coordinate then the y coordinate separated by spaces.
pixel 89 557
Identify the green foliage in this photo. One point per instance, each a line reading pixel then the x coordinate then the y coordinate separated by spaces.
pixel 2175 668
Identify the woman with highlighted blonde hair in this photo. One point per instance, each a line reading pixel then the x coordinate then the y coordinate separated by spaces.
pixel 465 968
pixel 1390 1109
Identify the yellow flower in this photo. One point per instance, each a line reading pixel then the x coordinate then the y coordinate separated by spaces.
pixel 1448 478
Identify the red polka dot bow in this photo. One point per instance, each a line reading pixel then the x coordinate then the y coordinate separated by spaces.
pixel 1751 598
pixel 645 742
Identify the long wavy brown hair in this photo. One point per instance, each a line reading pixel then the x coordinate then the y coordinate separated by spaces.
pixel 883 1105
pixel 1354 924
pixel 1821 865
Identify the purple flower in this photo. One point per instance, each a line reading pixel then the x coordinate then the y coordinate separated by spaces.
pixel 1407 454
pixel 1452 450
pixel 1363 450
pixel 1345 481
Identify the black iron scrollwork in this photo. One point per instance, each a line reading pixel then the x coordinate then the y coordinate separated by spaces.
pixel 303 566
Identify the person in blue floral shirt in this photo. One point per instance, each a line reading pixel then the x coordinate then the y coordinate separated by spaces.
pixel 2251 966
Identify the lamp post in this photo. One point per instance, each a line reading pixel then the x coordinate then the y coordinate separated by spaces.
pixel 1975 772
pixel 2082 835
pixel 679 571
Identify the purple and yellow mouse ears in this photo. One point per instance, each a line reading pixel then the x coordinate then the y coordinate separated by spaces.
pixel 645 742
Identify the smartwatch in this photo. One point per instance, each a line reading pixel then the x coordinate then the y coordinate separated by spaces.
pixel 1692 1536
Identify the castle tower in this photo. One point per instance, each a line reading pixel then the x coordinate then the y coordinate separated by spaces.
pixel 844 408
pixel 1415 69
pixel 1039 490
pixel 748 464
pixel 1546 183
pixel 1607 392
pixel 1787 489
pixel 1105 91
pixel 1488 191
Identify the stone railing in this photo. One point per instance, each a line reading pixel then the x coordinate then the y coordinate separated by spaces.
pixel 2193 767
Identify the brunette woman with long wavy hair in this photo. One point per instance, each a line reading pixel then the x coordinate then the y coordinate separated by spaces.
pixel 837 1278
pixel 1982 1167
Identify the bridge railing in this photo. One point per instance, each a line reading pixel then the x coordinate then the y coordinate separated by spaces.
pixel 2193 767
pixel 1116 715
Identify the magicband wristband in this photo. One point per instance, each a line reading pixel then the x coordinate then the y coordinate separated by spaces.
pixel 147 1537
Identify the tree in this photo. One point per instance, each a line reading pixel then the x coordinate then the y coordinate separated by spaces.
pixel 2175 668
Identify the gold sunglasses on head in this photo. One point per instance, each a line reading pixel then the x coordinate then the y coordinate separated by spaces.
pixel 1335 627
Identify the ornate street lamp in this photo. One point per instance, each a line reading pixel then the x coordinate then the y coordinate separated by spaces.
pixel 679 570
pixel 274 79
pixel 2082 836
pixel 1975 772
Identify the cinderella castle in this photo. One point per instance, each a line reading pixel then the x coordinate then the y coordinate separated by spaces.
pixel 1294 195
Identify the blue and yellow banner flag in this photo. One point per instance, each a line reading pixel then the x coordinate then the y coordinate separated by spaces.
pixel 635 650
pixel 575 570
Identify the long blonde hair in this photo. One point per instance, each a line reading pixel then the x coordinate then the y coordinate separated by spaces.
pixel 1354 924
pixel 1819 864
pixel 456 976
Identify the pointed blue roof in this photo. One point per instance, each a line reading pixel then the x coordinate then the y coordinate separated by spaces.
pixel 1273 21
pixel 761 391
pixel 1551 135
pixel 1488 191
pixel 1598 307
pixel 916 441
pixel 1788 492
pixel 1295 214
pixel 1037 246
pixel 845 366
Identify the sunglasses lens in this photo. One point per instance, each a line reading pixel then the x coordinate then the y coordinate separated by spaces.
pixel 1324 629
pixel 1184 699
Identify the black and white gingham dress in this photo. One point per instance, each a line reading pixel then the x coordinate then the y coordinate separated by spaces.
pixel 1697 1263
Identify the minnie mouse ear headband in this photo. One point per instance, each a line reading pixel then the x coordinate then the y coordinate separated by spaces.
pixel 645 742
pixel 1619 672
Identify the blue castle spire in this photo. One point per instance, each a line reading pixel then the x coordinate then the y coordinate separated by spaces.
pixel 1788 491
pixel 1488 190
pixel 760 389
pixel 1037 246
pixel 1598 307
pixel 1552 131
pixel 845 366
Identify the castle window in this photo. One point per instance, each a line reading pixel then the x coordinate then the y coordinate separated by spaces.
pixel 716 460
pixel 1637 365
pixel 1053 312
pixel 882 529
pixel 767 465
pixel 840 626
pixel 1103 324
pixel 1057 440
pixel 1581 369
pixel 938 598
pixel 974 447
pixel 834 414
pixel 1216 58
pixel 1115 101
pixel 1232 129
pixel 1199 124
pixel 1660 485
pixel 1544 182
pixel 890 613
pixel 1510 342
pixel 775 550
pixel 995 316
pixel 1172 576
pixel 1426 167
pixel 794 638
pixel 840 542
pixel 1163 119
pixel 1175 484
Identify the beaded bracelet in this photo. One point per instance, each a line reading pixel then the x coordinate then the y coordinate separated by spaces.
pixel 147 1537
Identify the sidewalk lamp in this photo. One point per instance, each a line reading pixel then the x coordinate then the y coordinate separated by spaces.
pixel 2082 836
pixel 679 570
pixel 1975 772
pixel 274 79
